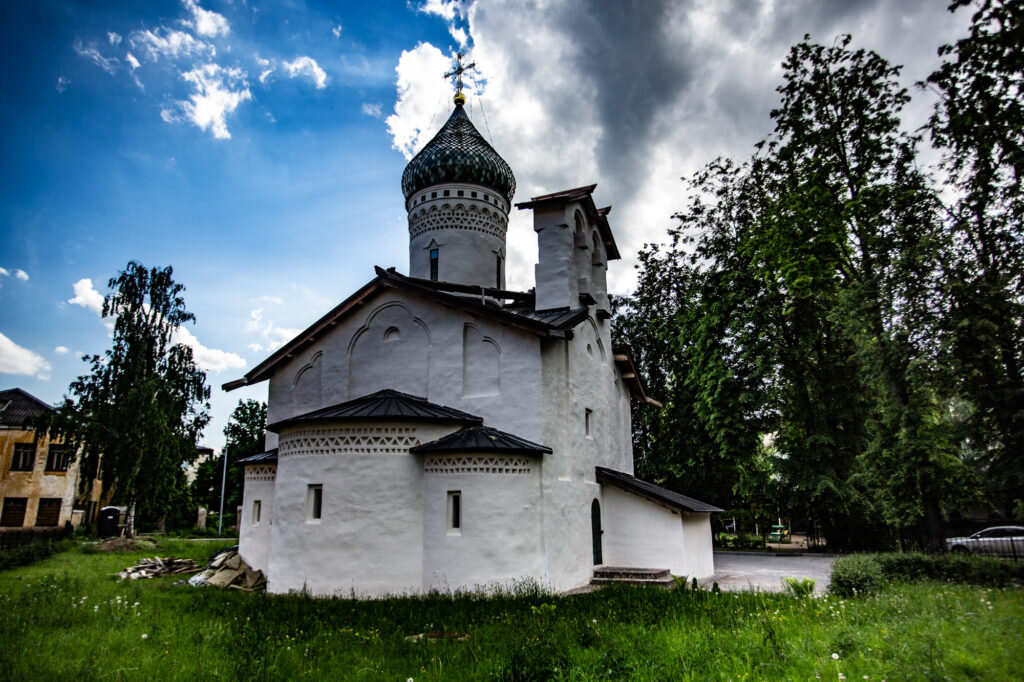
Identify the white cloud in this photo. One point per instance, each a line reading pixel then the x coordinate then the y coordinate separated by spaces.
pixel 171 44
pixel 113 38
pixel 420 90
pixel 5 272
pixel 17 360
pixel 209 359
pixel 21 274
pixel 372 110
pixel 459 34
pixel 61 350
pixel 218 92
pixel 265 74
pixel 90 52
pixel 255 347
pixel 87 296
pixel 132 61
pixel 336 31
pixel 205 22
pixel 62 83
pixel 272 335
pixel 446 9
pixel 307 66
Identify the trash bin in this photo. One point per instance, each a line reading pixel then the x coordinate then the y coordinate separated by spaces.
pixel 108 521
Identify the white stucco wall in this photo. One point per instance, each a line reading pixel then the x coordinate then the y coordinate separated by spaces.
pixel 698 552
pixel 369 540
pixel 254 538
pixel 500 539
pixel 427 359
pixel 641 534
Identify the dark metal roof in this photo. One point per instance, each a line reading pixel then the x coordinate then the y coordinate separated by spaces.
pixel 480 438
pixel 268 457
pixel 17 406
pixel 652 492
pixel 458 153
pixel 558 318
pixel 388 405
pixel 558 323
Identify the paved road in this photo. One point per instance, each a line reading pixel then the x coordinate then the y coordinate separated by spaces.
pixel 735 572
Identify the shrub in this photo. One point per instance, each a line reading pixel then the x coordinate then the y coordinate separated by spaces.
pixel 856 574
pixel 956 568
pixel 30 553
pixel 799 587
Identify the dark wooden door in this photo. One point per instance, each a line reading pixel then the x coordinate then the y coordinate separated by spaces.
pixel 595 527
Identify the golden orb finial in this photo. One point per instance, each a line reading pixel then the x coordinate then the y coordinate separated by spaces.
pixel 460 99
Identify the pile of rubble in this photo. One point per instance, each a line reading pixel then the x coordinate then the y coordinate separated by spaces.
pixel 158 567
pixel 227 570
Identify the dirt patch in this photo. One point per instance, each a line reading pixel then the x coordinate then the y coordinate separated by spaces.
pixel 126 545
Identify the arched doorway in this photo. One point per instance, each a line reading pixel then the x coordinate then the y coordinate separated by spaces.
pixel 595 527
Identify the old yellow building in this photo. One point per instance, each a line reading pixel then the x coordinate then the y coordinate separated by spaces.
pixel 38 480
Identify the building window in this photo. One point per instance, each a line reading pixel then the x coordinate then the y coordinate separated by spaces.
pixel 13 513
pixel 461 193
pixel 473 194
pixel 24 457
pixel 57 458
pixel 49 511
pixel 454 512
pixel 588 422
pixel 497 278
pixel 434 258
pixel 447 193
pixel 314 502
pixel 256 505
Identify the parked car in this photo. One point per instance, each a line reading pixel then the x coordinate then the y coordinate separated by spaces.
pixel 779 534
pixel 998 541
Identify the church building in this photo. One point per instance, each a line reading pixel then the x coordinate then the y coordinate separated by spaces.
pixel 436 430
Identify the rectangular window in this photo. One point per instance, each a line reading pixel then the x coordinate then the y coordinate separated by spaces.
pixel 461 193
pixel 434 258
pixel 49 511
pixel 24 457
pixel 256 504
pixel 13 513
pixel 454 512
pixel 314 502
pixel 447 192
pixel 473 194
pixel 497 279
pixel 57 458
pixel 588 422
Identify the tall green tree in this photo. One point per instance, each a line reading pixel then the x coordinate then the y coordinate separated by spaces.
pixel 979 124
pixel 133 420
pixel 245 434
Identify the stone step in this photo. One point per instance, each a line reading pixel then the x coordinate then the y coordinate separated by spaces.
pixel 616 575
pixel 631 573
pixel 664 583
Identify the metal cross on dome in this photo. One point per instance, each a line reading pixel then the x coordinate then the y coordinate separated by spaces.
pixel 457 73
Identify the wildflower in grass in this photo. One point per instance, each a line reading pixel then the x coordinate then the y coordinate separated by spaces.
pixel 835 657
pixel 145 636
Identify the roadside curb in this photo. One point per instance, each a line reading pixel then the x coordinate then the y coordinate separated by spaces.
pixel 778 554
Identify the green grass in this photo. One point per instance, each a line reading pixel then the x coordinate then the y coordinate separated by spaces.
pixel 67 618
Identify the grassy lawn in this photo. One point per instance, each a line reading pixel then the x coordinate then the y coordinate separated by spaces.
pixel 67 618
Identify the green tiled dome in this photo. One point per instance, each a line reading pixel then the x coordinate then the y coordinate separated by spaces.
pixel 458 153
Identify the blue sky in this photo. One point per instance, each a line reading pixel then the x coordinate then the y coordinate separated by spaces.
pixel 257 147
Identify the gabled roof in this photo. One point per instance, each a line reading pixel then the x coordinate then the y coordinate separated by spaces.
pixel 598 216
pixel 383 405
pixel 17 406
pixel 632 484
pixel 480 438
pixel 268 457
pixel 540 324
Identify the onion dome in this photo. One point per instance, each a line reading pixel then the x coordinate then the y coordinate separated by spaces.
pixel 458 153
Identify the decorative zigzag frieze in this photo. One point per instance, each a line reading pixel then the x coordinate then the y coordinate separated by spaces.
pixel 456 219
pixel 261 473
pixel 477 465
pixel 385 440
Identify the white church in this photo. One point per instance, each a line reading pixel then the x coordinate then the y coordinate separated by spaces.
pixel 438 431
